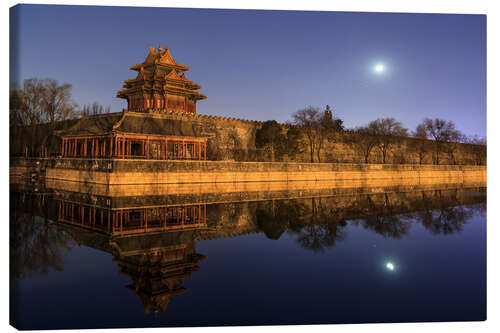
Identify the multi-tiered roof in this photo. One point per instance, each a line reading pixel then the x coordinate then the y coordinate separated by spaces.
pixel 160 85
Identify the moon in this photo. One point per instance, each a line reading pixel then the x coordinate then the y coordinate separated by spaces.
pixel 379 68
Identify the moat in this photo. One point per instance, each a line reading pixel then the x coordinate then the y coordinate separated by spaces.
pixel 141 257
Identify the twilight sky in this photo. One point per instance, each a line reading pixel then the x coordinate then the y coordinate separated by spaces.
pixel 267 64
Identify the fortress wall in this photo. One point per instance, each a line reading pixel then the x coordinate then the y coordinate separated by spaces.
pixel 130 172
pixel 234 139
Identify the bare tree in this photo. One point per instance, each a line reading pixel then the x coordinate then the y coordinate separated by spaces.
pixel 477 146
pixel 364 140
pixel 56 101
pixel 94 109
pixel 452 145
pixel 446 137
pixel 389 133
pixel 420 143
pixel 317 127
pixel 308 120
pixel 39 101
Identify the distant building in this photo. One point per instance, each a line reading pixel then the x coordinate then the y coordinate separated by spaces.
pixel 146 130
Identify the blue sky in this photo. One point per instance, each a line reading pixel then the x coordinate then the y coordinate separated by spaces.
pixel 267 64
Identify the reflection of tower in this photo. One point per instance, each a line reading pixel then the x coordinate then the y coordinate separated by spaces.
pixel 129 221
pixel 157 275
pixel 154 245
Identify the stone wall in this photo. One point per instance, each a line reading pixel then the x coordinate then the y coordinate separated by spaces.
pixel 234 139
pixel 109 172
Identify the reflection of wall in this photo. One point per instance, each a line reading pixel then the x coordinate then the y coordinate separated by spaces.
pixel 249 217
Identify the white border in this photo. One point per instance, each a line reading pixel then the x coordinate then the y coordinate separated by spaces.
pixel 417 6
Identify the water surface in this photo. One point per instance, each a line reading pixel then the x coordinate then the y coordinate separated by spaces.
pixel 387 256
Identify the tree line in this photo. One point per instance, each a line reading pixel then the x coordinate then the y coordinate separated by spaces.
pixel 311 130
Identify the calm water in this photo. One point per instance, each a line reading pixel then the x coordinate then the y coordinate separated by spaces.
pixel 383 257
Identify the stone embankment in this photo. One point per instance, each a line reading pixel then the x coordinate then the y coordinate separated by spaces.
pixel 137 172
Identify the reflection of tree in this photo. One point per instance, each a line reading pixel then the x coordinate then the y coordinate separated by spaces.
pixel 279 215
pixel 318 237
pixel 314 225
pixel 446 221
pixel 386 222
pixel 441 213
pixel 320 227
pixel 35 245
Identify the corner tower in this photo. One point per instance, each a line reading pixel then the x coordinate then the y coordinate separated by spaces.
pixel 160 85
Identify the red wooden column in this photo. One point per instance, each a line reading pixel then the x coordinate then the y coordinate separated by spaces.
pixel 166 149
pixel 111 146
pixel 205 150
pixel 123 147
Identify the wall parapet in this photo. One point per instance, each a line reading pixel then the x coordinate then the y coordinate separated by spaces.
pixel 122 165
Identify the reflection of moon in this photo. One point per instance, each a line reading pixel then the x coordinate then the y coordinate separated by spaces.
pixel 379 68
pixel 390 266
